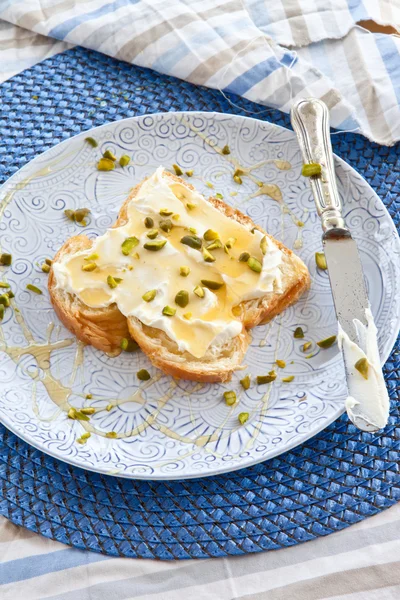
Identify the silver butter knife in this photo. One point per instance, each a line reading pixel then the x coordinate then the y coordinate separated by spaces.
pixel 310 121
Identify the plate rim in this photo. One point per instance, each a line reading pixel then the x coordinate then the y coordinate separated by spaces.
pixel 254 461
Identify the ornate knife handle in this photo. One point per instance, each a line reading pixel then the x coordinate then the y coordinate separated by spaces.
pixel 310 121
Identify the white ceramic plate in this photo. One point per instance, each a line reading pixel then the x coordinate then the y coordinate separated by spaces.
pixel 193 433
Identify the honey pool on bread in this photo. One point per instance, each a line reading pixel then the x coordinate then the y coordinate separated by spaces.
pixel 206 318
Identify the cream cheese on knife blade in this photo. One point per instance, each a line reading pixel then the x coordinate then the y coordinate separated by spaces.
pixel 368 400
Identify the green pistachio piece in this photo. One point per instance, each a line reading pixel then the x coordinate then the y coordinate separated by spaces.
pixel 113 281
pixel 165 212
pixel 69 214
pixel 189 173
pixel 5 300
pixel 143 375
pixel 105 164
pixel 92 142
pixel 245 382
pixel 177 169
pixel 149 296
pixel 10 294
pixel 264 245
pixel 262 379
pixel 230 242
pixel 34 289
pixel 244 257
pixel 212 285
pixel 198 290
pixel 149 223
pixel 192 230
pixel 124 160
pixel 327 342
pixel 112 435
pixel 182 298
pixel 88 411
pixel 281 364
pixel 321 260
pixel 89 258
pixel 210 235
pixel 176 217
pixel 188 315
pixel 109 407
pixel 230 398
pixel 305 347
pixel 288 379
pixel 298 333
pixel 45 268
pixel 184 271
pixel 110 155
pixel 5 259
pixel 219 196
pixel 208 257
pixel 166 225
pixel 311 170
pixel 226 150
pixel 192 240
pixel 89 396
pixel 215 245
pixel 152 234
pixel 168 311
pixel 80 214
pixel 89 267
pixel 77 415
pixel 243 417
pixel 49 262
pixel 362 367
pixel 190 205
pixel 3 284
pixel 2 308
pixel 128 345
pixel 155 245
pixel 254 264
pixel 209 184
pixel 128 245
pixel 237 179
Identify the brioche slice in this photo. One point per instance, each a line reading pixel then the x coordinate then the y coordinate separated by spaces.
pixel 105 328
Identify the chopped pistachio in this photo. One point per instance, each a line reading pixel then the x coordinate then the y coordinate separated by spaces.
pixel 245 382
pixel 10 294
pixel 198 290
pixel 168 311
pixel 149 296
pixel 300 224
pixel 105 164
pixel 77 415
pixel 177 169
pixel 254 264
pixel 45 268
pixel 189 173
pixel 109 407
pixel 212 285
pixel 5 300
pixel 80 214
pixel 281 364
pixel 208 257
pixel 2 308
pixel 113 281
pixel 3 284
pixel 155 245
pixel 191 205
pixel 230 398
pixel 237 179
pixel 226 149
pixel 210 235
pixel 187 315
pixel 176 217
pixel 110 155
pixel 134 255
pixel 184 271
pixel 321 260
pixel 166 225
pixel 182 298
pixel 33 288
pixel 192 240
pixel 88 411
pixel 128 345
pixel 298 333
pixel 143 375
pixel 149 223
pixel 92 257
pixel 219 196
pixel 89 267
pixel 327 342
pixel 311 170
pixel 165 212
pixel 288 379
pixel 230 242
pixel 310 355
pixel 128 245
pixel 124 160
pixel 88 396
pixel 69 213
pixel 362 367
pixel 305 347
pixel 243 417
pixel 152 234
pixel 92 142
pixel 244 257
pixel 112 435
pixel 215 245
pixel 124 343
pixel 5 259
pixel 48 261
pixel 264 245
pixel 262 379
pixel 209 184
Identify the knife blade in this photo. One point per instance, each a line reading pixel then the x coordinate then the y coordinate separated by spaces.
pixel 368 402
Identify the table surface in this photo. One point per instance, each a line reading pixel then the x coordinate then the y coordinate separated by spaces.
pixel 359 563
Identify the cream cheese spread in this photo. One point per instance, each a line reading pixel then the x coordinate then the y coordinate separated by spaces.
pixel 205 321
pixel 368 402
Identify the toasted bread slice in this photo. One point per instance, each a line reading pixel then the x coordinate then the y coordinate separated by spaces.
pixel 105 328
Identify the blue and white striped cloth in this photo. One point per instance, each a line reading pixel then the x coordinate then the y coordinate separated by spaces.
pixel 270 52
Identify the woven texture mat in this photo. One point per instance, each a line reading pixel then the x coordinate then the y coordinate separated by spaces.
pixel 339 477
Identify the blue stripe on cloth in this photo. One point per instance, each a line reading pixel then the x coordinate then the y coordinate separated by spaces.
pixel 357 10
pixel 259 13
pixel 34 566
pixel 391 57
pixel 243 83
pixel 62 30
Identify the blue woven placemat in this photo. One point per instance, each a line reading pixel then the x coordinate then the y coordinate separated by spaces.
pixel 339 477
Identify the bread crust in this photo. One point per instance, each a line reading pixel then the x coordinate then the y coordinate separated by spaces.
pixel 105 328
